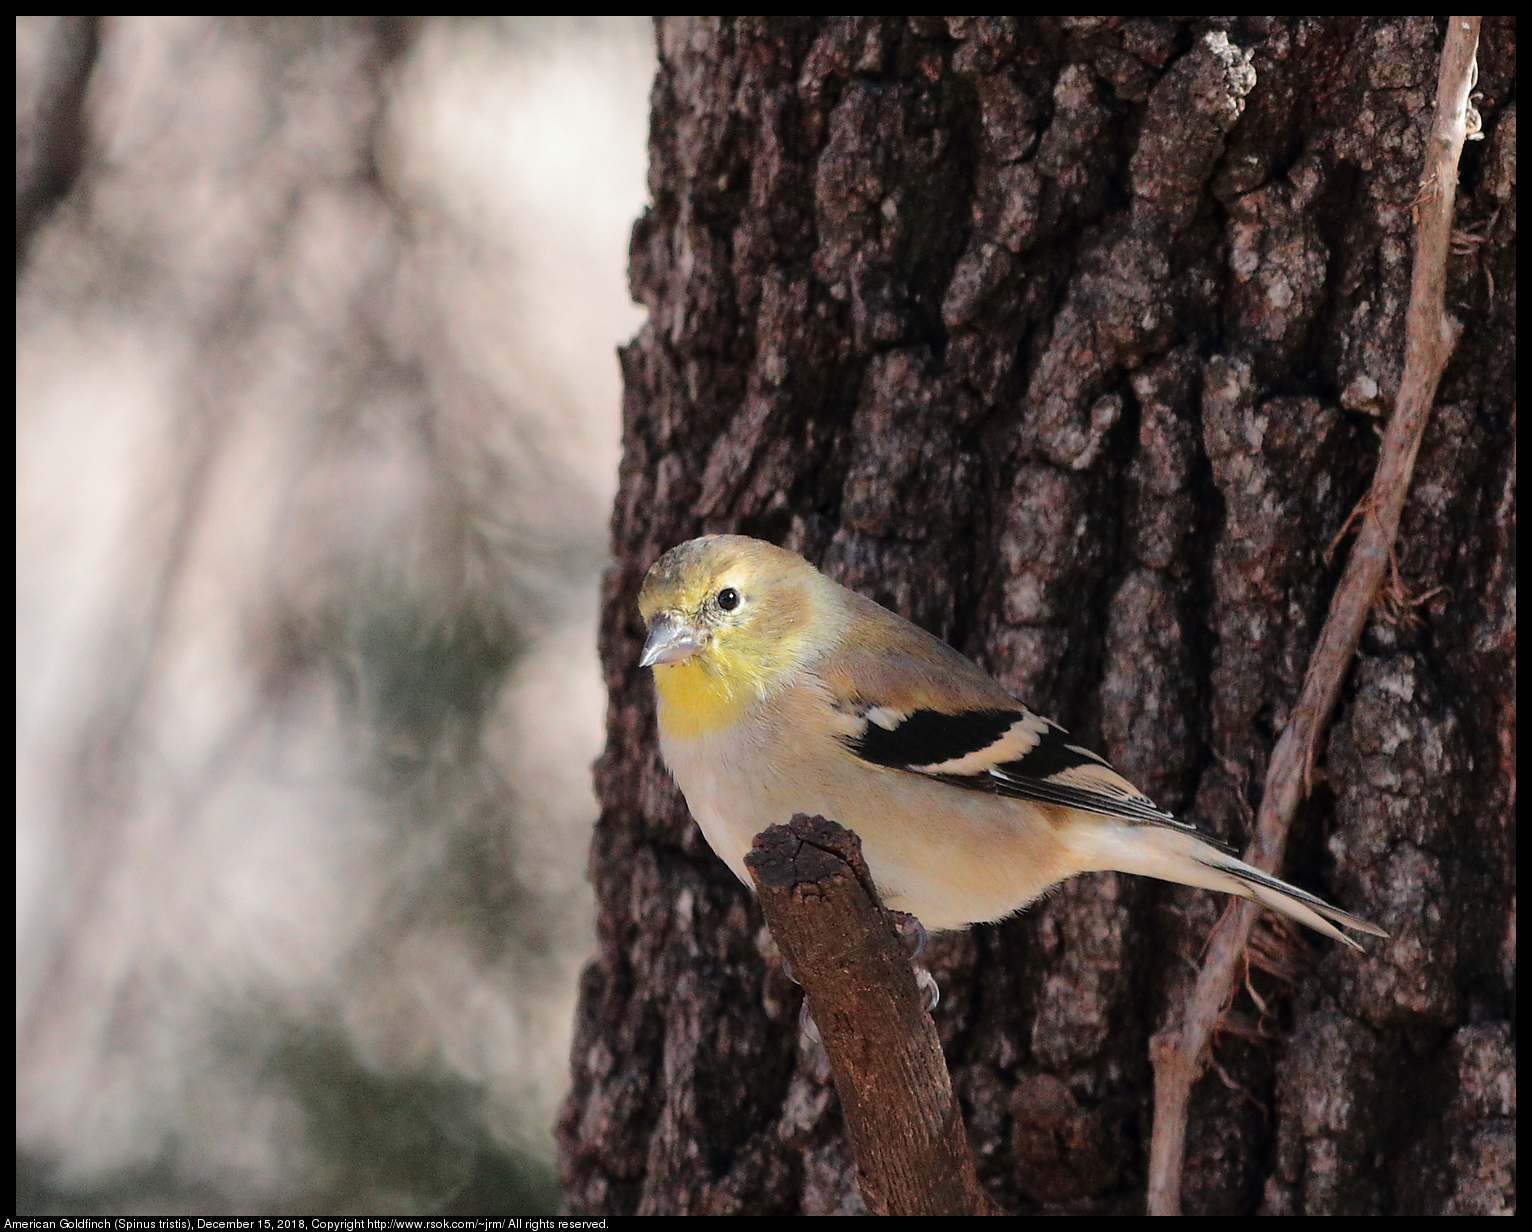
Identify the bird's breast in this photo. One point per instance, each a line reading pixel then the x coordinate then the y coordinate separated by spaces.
pixel 728 776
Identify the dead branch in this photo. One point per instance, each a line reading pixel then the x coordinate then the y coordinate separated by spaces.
pixel 904 1122
pixel 1178 1056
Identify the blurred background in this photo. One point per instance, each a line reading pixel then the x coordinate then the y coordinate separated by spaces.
pixel 317 431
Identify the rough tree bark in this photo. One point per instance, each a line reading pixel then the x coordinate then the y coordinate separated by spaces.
pixel 1067 339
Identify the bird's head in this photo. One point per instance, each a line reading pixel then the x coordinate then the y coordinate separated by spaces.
pixel 733 609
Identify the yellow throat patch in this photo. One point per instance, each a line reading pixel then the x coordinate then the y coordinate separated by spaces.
pixel 700 695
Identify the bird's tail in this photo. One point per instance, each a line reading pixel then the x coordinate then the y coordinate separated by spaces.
pixel 1172 853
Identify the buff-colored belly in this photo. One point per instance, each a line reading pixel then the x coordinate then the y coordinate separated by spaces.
pixel 950 856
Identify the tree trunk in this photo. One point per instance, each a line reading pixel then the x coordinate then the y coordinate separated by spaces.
pixel 1069 340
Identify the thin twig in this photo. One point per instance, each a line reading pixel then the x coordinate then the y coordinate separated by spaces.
pixel 1430 335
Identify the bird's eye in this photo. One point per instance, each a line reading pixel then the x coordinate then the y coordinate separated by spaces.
pixel 728 598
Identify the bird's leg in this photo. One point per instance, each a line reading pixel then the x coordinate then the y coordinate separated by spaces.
pixel 913 933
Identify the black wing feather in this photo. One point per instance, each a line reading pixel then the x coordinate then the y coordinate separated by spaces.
pixel 928 738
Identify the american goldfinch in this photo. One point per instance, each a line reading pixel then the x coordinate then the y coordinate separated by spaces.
pixel 779 691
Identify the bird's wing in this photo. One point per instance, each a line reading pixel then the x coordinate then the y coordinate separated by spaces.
pixel 1007 752
pixel 911 702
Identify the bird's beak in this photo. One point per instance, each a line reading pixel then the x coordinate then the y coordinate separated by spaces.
pixel 670 640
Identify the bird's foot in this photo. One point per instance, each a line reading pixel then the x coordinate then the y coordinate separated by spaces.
pixel 806 1023
pixel 930 994
pixel 911 931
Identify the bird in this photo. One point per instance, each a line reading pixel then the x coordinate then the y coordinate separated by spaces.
pixel 779 691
